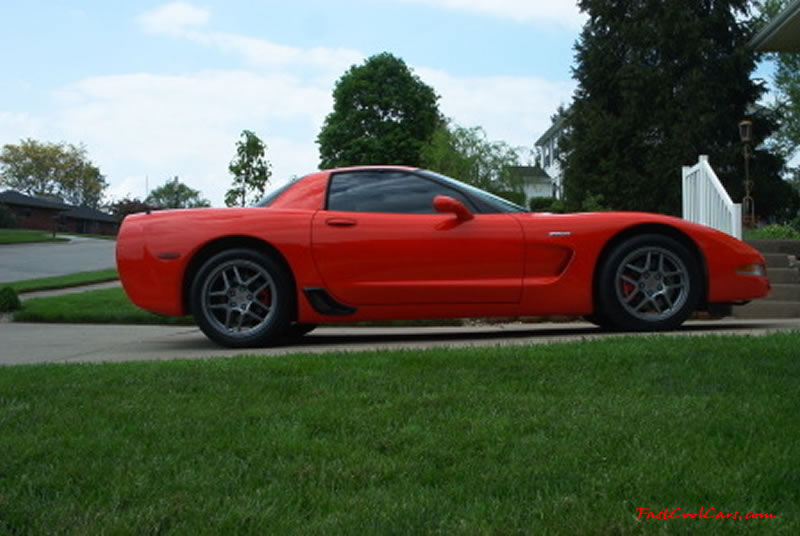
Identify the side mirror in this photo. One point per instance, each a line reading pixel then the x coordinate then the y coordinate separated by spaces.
pixel 444 203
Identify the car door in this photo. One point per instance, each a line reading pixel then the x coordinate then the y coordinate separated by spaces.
pixel 380 242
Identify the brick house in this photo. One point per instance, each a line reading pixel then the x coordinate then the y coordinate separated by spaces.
pixel 87 220
pixel 53 215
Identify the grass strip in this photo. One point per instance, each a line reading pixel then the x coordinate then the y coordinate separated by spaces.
pixel 557 439
pixel 111 306
pixel 63 281
pixel 104 306
pixel 25 236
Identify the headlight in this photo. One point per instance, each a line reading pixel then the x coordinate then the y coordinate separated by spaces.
pixel 758 270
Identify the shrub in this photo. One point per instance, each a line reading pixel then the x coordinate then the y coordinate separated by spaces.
pixel 7 218
pixel 515 197
pixel 540 203
pixel 546 204
pixel 9 301
pixel 775 232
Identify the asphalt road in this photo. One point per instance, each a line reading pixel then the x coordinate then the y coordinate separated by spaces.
pixel 65 343
pixel 47 259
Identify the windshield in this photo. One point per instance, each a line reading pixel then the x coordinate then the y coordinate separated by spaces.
pixel 497 203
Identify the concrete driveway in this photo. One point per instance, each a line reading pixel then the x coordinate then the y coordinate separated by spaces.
pixel 64 343
pixel 32 261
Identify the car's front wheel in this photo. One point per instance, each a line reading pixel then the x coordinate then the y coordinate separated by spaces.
pixel 242 298
pixel 648 283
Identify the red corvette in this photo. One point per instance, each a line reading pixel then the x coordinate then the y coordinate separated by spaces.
pixel 378 243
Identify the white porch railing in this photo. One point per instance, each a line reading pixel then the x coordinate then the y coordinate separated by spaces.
pixel 706 201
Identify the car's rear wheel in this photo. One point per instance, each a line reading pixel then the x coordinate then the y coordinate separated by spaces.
pixel 242 298
pixel 648 283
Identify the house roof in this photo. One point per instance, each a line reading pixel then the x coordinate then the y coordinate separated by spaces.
pixel 11 197
pixel 554 129
pixel 781 34
pixel 88 213
pixel 528 171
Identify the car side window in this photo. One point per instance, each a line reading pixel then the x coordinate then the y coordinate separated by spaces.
pixel 396 192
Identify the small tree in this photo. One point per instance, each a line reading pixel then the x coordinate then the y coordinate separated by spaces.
pixel 467 154
pixel 250 169
pixel 174 194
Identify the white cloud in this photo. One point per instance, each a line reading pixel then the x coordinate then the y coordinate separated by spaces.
pixel 266 53
pixel 145 125
pixel 173 18
pixel 514 109
pixel 15 126
pixel 184 21
pixel 565 13
pixel 142 126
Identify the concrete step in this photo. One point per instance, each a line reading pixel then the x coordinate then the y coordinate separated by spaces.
pixel 789 247
pixel 782 276
pixel 777 260
pixel 785 292
pixel 768 309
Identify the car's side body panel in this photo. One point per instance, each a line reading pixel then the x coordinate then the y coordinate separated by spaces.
pixel 394 259
pixel 155 250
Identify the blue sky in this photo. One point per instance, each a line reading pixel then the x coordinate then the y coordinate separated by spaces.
pixel 158 89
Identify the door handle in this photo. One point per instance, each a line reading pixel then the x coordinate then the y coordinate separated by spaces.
pixel 340 222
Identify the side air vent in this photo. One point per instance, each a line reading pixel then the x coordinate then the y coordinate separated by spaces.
pixel 324 304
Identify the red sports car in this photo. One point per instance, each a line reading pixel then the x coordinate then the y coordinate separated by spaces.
pixel 379 243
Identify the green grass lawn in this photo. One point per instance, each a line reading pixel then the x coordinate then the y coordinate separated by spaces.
pixel 111 306
pixel 559 439
pixel 22 236
pixel 64 281
pixel 105 306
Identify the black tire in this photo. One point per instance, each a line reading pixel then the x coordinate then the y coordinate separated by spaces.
pixel 598 320
pixel 297 330
pixel 648 283
pixel 241 298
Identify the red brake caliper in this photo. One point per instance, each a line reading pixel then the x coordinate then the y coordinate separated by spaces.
pixel 627 288
pixel 265 297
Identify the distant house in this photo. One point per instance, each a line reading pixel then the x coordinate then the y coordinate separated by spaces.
pixel 547 147
pixel 53 215
pixel 87 220
pixel 535 182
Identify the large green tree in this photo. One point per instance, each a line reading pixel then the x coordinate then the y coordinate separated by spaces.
pixel 468 155
pixel 658 84
pixel 250 169
pixel 382 114
pixel 52 169
pixel 175 194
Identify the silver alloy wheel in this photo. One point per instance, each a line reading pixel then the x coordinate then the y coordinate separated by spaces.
pixel 652 283
pixel 238 298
